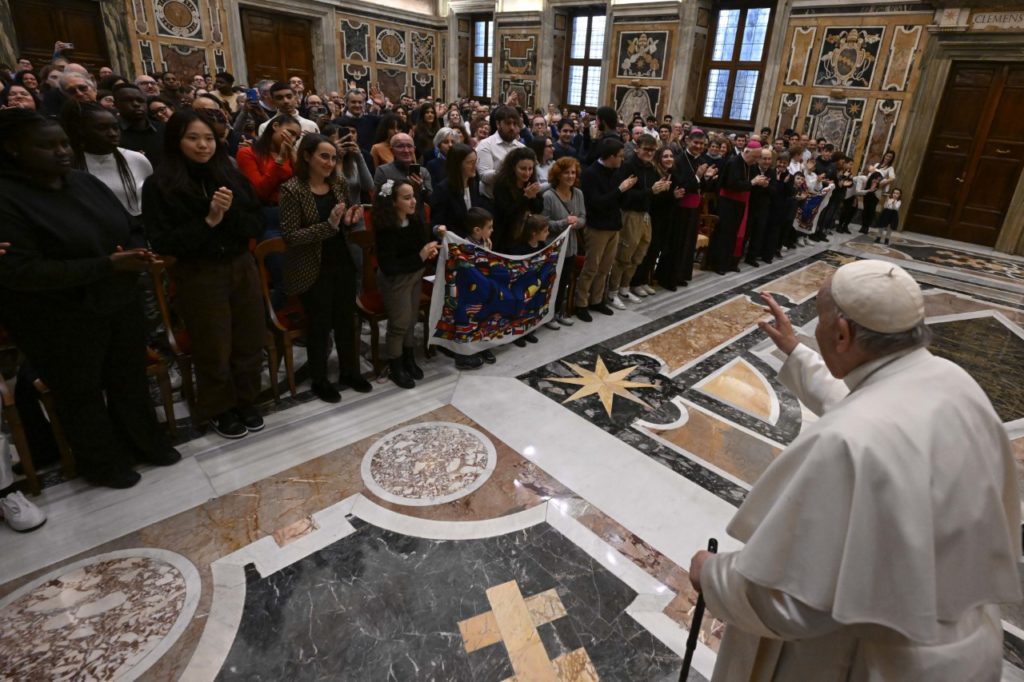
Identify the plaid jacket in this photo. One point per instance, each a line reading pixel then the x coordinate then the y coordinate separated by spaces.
pixel 303 232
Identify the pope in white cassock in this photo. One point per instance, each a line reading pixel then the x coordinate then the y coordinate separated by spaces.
pixel 881 541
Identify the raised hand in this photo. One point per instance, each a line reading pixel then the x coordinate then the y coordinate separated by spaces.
pixel 219 205
pixel 353 215
pixel 626 184
pixel 781 331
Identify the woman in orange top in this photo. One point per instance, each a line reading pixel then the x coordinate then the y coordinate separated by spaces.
pixel 268 162
pixel 380 152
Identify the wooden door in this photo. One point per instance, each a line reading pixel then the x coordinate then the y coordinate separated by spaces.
pixel 277 47
pixel 38 24
pixel 975 156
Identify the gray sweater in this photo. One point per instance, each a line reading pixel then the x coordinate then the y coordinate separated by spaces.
pixel 558 213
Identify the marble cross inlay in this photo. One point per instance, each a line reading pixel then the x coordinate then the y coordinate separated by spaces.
pixel 513 621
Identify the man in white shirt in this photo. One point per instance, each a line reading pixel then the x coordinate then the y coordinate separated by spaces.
pixel 880 543
pixel 492 151
pixel 287 103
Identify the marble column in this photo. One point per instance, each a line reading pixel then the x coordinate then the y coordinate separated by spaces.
pixel 119 44
pixel 452 58
pixel 682 71
pixel 8 53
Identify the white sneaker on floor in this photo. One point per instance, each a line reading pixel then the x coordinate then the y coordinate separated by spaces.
pixel 553 324
pixel 651 291
pixel 20 514
pixel 636 291
pixel 564 320
pixel 630 296
pixel 174 376
pixel 616 302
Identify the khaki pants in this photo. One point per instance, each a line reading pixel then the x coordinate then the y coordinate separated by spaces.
pixel 634 240
pixel 401 294
pixel 601 245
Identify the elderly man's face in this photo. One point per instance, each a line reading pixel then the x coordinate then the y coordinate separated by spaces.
pixel 637 132
pixel 750 155
pixel 832 334
pixel 538 126
pixel 355 103
pixel 403 148
pixel 79 88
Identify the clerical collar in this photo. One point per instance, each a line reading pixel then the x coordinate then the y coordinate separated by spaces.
pixel 861 374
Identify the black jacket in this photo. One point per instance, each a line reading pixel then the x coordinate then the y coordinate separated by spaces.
pixel 637 197
pixel 510 205
pixel 176 225
pixel 449 208
pixel 602 197
pixel 398 249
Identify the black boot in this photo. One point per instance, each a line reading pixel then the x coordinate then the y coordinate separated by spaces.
pixel 409 362
pixel 399 375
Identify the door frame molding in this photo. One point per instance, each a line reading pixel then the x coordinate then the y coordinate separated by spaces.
pixel 941 51
pixel 324 36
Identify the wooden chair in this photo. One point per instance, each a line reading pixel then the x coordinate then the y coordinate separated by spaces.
pixel 370 302
pixel 706 225
pixel 13 419
pixel 287 323
pixel 67 458
pixel 180 342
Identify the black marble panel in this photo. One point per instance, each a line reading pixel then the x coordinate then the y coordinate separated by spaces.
pixel 992 354
pixel 378 605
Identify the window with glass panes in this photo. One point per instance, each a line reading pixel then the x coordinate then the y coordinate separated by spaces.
pixel 585 57
pixel 736 63
pixel 483 57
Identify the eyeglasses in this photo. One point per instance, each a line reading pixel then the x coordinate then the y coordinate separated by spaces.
pixel 402 146
pixel 84 87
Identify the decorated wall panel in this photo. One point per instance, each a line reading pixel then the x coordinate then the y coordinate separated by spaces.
pixel 184 36
pixel 517 57
pixel 402 58
pixel 849 78
pixel 640 71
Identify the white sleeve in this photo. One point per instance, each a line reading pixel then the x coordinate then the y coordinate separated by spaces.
pixel 764 612
pixel 485 167
pixel 805 374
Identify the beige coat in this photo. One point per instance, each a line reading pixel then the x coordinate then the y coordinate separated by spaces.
pixel 880 541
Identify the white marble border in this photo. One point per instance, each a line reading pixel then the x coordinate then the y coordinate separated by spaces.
pixel 367 466
pixel 229 584
pixel 193 589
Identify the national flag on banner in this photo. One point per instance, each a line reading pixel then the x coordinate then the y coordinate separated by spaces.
pixel 484 299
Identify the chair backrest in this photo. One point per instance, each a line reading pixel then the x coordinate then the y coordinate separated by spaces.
pixel 366 241
pixel 158 272
pixel 263 250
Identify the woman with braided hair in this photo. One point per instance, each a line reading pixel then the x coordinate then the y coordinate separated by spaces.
pixel 68 296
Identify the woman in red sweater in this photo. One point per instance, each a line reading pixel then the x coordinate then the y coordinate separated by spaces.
pixel 268 162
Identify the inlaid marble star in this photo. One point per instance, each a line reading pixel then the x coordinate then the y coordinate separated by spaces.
pixel 606 385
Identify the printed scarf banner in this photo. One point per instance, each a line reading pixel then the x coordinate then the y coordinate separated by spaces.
pixel 484 299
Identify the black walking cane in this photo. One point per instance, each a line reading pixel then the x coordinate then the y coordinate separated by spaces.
pixel 698 616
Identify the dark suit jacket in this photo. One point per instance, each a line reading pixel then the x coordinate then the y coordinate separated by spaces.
pixel 304 232
pixel 449 208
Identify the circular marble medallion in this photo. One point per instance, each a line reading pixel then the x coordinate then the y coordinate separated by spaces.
pixel 110 616
pixel 428 463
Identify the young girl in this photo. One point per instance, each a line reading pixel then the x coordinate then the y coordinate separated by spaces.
pixel 890 217
pixel 530 238
pixel 403 246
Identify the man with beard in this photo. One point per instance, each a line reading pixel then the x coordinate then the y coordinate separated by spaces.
pixel 493 150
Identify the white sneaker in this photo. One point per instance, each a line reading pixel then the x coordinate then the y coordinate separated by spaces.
pixel 651 291
pixel 630 296
pixel 20 514
pixel 616 302
pixel 564 321
pixel 553 324
pixel 174 376
pixel 639 291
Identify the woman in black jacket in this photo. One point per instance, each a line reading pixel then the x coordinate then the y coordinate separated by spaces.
pixel 68 296
pixel 516 193
pixel 458 193
pixel 200 209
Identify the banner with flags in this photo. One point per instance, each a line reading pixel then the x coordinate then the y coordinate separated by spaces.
pixel 483 299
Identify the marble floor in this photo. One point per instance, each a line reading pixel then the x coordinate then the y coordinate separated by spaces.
pixel 531 520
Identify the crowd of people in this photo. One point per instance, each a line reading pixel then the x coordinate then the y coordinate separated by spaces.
pixel 110 176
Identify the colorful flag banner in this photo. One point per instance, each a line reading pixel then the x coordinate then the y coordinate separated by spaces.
pixel 484 299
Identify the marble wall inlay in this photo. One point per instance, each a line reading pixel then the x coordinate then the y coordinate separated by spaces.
pixel 428 463
pixel 103 618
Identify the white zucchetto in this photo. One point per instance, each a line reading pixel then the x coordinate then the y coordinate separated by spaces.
pixel 878 296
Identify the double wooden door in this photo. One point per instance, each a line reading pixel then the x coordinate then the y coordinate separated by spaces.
pixel 975 155
pixel 38 24
pixel 277 47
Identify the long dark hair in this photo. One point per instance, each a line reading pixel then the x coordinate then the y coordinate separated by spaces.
pixel 308 146
pixel 387 122
pixel 262 146
pixel 73 118
pixel 422 126
pixel 453 166
pixel 173 177
pixel 385 217
pixel 507 174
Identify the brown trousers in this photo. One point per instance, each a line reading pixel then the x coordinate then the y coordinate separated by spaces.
pixel 601 245
pixel 634 240
pixel 401 295
pixel 222 307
